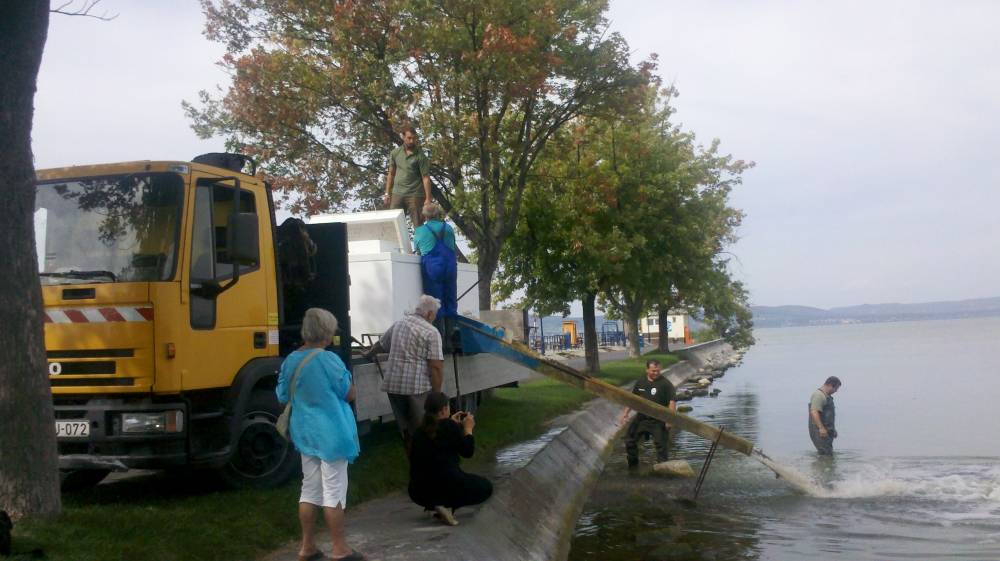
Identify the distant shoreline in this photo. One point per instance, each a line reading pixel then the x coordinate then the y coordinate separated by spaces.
pixel 802 316
pixel 859 321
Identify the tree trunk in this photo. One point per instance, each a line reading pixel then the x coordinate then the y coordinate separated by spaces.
pixel 631 310
pixel 663 319
pixel 487 266
pixel 632 333
pixel 29 475
pixel 590 334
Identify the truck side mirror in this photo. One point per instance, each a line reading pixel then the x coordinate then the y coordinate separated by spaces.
pixel 242 239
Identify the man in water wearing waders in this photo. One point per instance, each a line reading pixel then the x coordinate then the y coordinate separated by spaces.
pixel 822 416
pixel 659 390
pixel 435 240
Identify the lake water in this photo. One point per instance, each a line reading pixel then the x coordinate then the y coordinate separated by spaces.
pixel 916 474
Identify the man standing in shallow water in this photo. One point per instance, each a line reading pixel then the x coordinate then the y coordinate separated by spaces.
pixel 822 416
pixel 657 389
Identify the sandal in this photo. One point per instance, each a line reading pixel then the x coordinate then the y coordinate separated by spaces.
pixel 315 556
pixel 445 515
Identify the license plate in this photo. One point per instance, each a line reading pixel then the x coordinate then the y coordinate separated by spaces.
pixel 72 429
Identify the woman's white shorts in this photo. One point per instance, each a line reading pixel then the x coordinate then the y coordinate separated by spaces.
pixel 324 483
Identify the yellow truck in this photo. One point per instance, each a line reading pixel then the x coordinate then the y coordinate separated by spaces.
pixel 170 297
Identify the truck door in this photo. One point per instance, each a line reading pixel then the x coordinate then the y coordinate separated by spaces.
pixel 228 328
pixel 330 290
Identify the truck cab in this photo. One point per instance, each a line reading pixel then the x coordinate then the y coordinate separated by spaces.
pixel 170 297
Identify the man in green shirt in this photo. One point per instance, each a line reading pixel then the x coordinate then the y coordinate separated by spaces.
pixel 822 416
pixel 408 183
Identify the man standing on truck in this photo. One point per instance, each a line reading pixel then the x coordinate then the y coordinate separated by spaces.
pixel 408 182
pixel 415 366
pixel 657 389
pixel 822 416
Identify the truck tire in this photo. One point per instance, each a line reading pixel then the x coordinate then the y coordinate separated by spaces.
pixel 79 479
pixel 262 458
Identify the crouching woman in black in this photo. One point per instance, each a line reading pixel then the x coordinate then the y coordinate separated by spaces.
pixel 436 481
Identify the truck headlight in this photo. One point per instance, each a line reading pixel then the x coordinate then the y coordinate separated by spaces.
pixel 159 422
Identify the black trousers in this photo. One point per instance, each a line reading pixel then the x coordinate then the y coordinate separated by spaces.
pixel 643 428
pixel 458 490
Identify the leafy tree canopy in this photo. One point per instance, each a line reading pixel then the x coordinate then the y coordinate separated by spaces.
pixel 628 205
pixel 321 88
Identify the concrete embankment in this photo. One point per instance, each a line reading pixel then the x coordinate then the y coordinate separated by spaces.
pixel 532 513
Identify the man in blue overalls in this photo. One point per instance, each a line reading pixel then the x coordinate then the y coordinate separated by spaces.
pixel 435 240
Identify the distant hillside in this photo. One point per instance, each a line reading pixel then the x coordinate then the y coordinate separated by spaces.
pixel 787 316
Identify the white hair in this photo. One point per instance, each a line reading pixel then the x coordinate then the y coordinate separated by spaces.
pixel 427 304
pixel 432 211
pixel 318 325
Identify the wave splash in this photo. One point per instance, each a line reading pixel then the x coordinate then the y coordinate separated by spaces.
pixel 938 480
pixel 792 476
pixel 945 480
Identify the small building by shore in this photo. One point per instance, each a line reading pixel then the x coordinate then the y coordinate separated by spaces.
pixel 678 327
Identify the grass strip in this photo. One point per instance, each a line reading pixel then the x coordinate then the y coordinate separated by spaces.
pixel 166 517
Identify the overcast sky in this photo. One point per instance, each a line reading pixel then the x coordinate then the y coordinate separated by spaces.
pixel 873 125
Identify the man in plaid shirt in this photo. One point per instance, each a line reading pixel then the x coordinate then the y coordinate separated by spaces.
pixel 415 366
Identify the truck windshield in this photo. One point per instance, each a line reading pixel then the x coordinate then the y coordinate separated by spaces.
pixel 108 229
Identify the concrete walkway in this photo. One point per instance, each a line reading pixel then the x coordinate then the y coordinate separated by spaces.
pixel 388 529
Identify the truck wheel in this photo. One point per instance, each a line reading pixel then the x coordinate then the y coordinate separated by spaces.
pixel 79 479
pixel 262 458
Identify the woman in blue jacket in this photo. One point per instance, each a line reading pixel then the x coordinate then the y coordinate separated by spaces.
pixel 323 429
